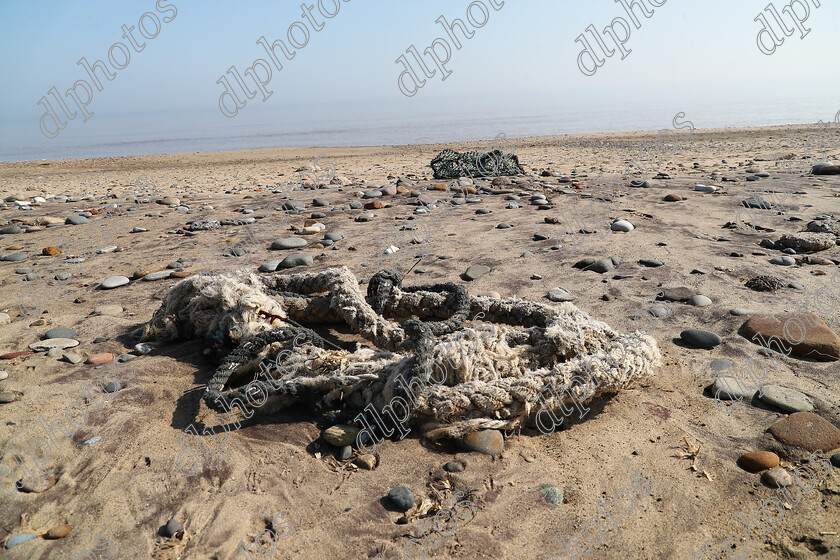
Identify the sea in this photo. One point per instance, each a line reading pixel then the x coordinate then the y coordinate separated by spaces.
pixel 401 122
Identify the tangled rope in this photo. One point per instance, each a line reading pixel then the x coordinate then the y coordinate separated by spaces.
pixel 525 348
pixel 450 164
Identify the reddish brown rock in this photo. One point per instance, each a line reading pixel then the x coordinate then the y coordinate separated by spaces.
pixel 58 532
pixel 50 251
pixel 758 461
pixel 807 430
pixel 13 355
pixel 373 205
pixel 818 341
pixel 180 274
pixel 672 198
pixel 99 359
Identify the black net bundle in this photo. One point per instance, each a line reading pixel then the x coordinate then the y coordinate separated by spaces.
pixel 450 164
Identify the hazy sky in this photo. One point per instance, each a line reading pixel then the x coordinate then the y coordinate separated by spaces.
pixel 524 56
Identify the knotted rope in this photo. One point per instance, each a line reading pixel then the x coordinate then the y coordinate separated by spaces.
pixel 524 349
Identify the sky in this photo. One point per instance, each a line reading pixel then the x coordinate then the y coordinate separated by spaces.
pixel 689 54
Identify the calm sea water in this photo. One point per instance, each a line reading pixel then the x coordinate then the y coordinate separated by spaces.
pixel 369 124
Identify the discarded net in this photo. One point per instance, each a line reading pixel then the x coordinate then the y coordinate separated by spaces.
pixel 449 164
pixel 526 349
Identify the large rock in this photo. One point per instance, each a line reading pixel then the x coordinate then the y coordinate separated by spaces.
pixel 807 241
pixel 807 430
pixel 819 342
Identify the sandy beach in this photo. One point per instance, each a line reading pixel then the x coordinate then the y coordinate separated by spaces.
pixel 127 484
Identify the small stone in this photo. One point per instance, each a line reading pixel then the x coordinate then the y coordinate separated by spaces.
pixel 701 338
pixel 622 225
pixel 13 355
pixel 818 341
pixel 108 310
pixel 738 311
pixel 777 477
pixel 561 294
pixel 650 262
pixel 5 319
pixel 731 389
pixel 333 236
pixel 402 498
pixel 299 259
pixel 289 243
pixel 788 400
pixel 60 333
pixel 807 430
pixel 50 251
pixel 94 439
pixel 45 345
pixel 783 260
pixel 8 397
pixel 672 198
pixel 345 453
pixel 601 266
pixel 341 435
pixel 269 266
pixel 76 220
pixel 172 528
pixel 112 387
pixel 58 532
pixel 367 462
pixel 476 271
pixel 3 374
pixel 678 294
pixel 113 282
pixel 20 538
pixel 705 188
pixel 551 494
pixel 142 348
pixel 102 358
pixel 159 275
pixel 503 225
pixel 169 200
pixel 699 301
pixel 721 365
pixel 489 442
pixel 453 466
pixel 14 257
pixel 72 357
pixel 758 461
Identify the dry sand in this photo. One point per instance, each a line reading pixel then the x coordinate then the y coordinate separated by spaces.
pixel 128 486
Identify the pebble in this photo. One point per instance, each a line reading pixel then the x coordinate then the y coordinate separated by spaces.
pixel 795 286
pixel 20 538
pixel 13 355
pixel 44 345
pixel 699 301
pixel 758 461
pixel 341 435
pixel 701 338
pixel 540 237
pixel 453 466
pixel 108 310
pixel 835 459
pixel 489 442
pixel 622 225
pixel 113 387
pixel 777 477
pixel 819 342
pixel 99 339
pixel 113 282
pixel 269 266
pixel 738 311
pixel 731 389
pixel 50 251
pixel 58 532
pixel 650 262
pixel 678 294
pixel 76 220
pixel 159 275
pixel 503 225
pixel 172 528
pixel 367 462
pixel 101 358
pixel 5 319
pixel 788 400
pixel 14 257
pixel 721 365
pixel 402 498
pixel 138 230
pixel 783 260
pixel 299 259
pixel 8 396
pixel 807 242
pixel 94 439
pixel 705 188
pixel 142 348
pixel 72 357
pixel 60 333
pixel 345 453
pixel 169 200
pixel 333 236
pixel 476 271
pixel 807 430
pixel 122 358
pixel 551 494
pixel 561 294
pixel 10 230
pixel 601 266
pixel 672 198
pixel 3 374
